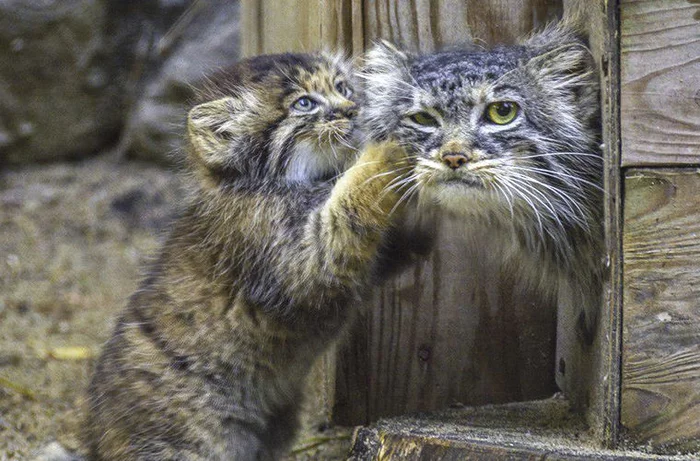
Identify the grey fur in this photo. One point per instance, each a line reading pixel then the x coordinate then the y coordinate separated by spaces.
pixel 536 182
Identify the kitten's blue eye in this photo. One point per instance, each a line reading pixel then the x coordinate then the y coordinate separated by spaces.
pixel 304 104
pixel 343 88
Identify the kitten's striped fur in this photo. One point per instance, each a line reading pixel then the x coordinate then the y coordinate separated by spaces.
pixel 259 275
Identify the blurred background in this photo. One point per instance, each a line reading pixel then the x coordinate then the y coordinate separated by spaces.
pixel 92 104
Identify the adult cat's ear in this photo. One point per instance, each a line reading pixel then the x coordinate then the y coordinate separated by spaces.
pixel 385 58
pixel 561 55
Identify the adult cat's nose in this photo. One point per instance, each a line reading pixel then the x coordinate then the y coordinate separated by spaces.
pixel 454 159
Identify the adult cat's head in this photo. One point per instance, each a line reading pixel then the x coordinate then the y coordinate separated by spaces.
pixel 511 131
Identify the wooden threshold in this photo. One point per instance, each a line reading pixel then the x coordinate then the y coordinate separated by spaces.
pixel 536 430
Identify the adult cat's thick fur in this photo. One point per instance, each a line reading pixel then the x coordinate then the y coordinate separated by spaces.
pixel 509 138
pixel 258 276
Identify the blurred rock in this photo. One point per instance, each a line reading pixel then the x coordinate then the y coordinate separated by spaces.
pixel 67 68
pixel 204 38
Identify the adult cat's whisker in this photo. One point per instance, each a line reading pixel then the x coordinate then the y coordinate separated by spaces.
pixel 562 154
pixel 400 182
pixel 414 188
pixel 379 175
pixel 542 199
pixel 501 188
pixel 522 193
pixel 560 175
pixel 566 200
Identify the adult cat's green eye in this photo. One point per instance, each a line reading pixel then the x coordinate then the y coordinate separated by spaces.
pixel 502 113
pixel 304 104
pixel 424 118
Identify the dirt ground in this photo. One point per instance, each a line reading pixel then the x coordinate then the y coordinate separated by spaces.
pixel 72 240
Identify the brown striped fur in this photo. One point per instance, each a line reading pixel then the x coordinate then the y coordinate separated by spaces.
pixel 259 275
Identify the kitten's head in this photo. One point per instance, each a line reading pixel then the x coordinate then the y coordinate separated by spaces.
pixel 512 128
pixel 275 117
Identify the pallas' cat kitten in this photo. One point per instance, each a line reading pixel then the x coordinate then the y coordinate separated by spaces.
pixel 509 138
pixel 258 276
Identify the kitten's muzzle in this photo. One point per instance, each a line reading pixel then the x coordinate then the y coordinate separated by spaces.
pixel 342 112
pixel 454 160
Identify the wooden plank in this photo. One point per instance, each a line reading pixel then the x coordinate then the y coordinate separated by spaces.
pixel 251 30
pixel 451 328
pixel 660 82
pixel 341 25
pixel 593 371
pixel 276 26
pixel 661 343
pixel 279 26
pixel 542 430
pixel 427 25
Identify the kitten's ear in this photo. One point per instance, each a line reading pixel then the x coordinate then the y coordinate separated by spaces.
pixel 207 130
pixel 384 58
pixel 215 131
pixel 561 54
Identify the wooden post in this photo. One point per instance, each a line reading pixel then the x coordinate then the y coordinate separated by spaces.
pixel 660 97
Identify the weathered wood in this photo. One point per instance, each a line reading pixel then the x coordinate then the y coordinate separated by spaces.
pixel 275 26
pixel 279 26
pixel 542 430
pixel 592 377
pixel 661 348
pixel 453 327
pixel 660 82
pixel 427 25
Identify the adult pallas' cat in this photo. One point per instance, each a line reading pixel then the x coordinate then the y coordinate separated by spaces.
pixel 509 138
pixel 261 272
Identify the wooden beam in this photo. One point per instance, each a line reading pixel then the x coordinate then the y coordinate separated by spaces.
pixel 661 348
pixel 593 373
pixel 660 82
pixel 527 431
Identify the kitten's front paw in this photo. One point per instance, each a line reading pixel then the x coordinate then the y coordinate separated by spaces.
pixel 387 153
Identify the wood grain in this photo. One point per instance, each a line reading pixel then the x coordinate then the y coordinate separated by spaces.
pixel 451 328
pixel 276 26
pixel 536 431
pixel 593 373
pixel 427 25
pixel 661 348
pixel 660 44
pixel 279 26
